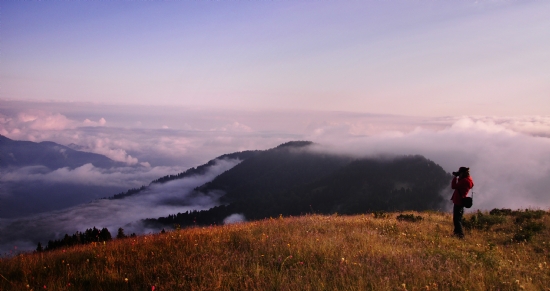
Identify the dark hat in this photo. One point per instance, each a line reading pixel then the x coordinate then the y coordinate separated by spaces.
pixel 464 170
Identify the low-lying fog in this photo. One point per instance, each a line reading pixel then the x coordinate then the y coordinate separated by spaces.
pixel 156 201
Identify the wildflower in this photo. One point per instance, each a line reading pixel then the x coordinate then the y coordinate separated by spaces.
pixel 153 288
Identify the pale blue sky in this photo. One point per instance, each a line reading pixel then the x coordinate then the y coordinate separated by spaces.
pixel 425 58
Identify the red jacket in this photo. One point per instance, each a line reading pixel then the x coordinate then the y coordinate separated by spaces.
pixel 462 186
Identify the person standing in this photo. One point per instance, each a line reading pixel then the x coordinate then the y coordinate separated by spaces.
pixel 461 183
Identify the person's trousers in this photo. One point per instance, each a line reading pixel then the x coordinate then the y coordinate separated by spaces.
pixel 458 212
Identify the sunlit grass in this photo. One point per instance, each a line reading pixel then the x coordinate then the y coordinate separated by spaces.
pixel 312 252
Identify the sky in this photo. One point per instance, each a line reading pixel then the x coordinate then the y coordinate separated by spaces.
pixel 419 58
pixel 163 86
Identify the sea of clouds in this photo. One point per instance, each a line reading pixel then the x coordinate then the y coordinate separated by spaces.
pixel 158 200
pixel 509 157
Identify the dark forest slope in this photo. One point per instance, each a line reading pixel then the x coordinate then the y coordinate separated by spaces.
pixel 275 170
pixel 292 179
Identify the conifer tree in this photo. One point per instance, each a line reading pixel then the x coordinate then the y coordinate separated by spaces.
pixel 120 233
pixel 104 234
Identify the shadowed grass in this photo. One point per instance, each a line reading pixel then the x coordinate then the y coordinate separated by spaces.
pixel 298 253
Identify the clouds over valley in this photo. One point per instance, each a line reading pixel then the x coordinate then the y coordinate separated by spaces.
pixel 127 177
pixel 157 200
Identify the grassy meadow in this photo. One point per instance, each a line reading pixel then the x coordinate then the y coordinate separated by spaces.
pixel 506 251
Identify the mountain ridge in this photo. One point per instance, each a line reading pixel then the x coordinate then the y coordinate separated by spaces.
pixel 15 153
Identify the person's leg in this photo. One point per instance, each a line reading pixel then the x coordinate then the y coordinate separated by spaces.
pixel 458 212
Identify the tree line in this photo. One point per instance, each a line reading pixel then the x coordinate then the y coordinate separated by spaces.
pixel 81 238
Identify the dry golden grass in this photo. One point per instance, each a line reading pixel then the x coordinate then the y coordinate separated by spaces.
pixel 299 253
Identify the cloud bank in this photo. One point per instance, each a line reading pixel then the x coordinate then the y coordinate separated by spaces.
pixel 128 177
pixel 510 169
pixel 158 200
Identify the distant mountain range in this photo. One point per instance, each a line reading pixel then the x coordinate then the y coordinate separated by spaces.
pixel 22 198
pixel 294 179
pixel 49 154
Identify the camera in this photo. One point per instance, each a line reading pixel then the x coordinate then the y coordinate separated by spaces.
pixel 456 174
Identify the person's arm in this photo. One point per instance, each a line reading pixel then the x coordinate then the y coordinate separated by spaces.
pixel 454 182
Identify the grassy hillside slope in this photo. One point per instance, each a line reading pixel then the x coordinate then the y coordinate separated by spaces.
pixel 361 252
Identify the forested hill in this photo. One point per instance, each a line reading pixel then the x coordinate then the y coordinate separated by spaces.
pixel 49 154
pixel 292 179
pixel 275 170
pixel 265 157
pixel 366 185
